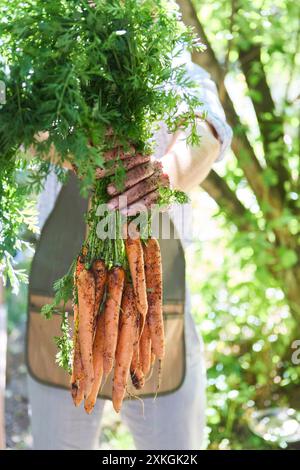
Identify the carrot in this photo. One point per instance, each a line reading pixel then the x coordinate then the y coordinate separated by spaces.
pixel 137 375
pixel 134 251
pixel 153 270
pixel 138 378
pixel 98 347
pixel 145 350
pixel 153 357
pixel 100 275
pixel 77 370
pixel 115 285
pixel 79 266
pixel 86 305
pixel 124 349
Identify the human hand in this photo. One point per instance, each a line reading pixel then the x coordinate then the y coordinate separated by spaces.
pixel 141 186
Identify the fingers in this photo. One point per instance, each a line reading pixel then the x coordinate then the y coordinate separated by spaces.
pixel 134 176
pixel 127 165
pixel 139 191
pixel 142 181
pixel 136 192
pixel 146 202
pixel 118 153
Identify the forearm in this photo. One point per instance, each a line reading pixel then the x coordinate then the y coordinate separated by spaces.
pixel 188 166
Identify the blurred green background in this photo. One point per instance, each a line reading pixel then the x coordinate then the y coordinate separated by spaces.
pixel 243 268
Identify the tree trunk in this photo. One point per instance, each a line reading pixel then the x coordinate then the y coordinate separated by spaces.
pixel 290 283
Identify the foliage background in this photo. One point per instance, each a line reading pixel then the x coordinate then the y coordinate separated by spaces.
pixel 244 270
pixel 248 270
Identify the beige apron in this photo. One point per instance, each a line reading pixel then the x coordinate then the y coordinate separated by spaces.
pixel 60 241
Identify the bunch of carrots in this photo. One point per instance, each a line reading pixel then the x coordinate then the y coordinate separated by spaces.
pixel 118 321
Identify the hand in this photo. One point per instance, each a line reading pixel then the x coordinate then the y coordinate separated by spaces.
pixel 142 181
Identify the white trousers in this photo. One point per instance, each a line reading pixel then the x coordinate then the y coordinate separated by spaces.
pixel 175 421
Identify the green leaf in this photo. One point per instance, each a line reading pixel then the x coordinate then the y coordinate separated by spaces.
pixel 64 345
pixel 270 177
pixel 288 258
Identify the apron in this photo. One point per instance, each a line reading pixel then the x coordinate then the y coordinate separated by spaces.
pixel 60 241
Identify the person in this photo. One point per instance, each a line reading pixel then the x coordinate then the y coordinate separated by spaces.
pixel 176 418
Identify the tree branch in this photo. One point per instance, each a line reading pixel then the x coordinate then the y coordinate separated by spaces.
pixel 219 190
pixel 271 126
pixel 249 59
pixel 208 58
pixel 241 146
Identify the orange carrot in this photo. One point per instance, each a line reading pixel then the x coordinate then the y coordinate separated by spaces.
pixel 145 350
pixel 86 305
pixel 153 270
pixel 100 275
pixel 137 375
pixel 138 378
pixel 77 370
pixel 124 349
pixel 134 251
pixel 153 357
pixel 115 285
pixel 98 347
